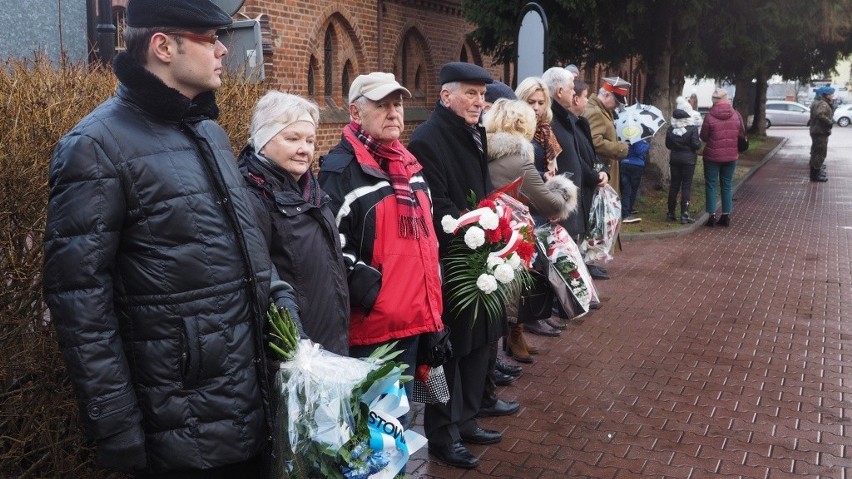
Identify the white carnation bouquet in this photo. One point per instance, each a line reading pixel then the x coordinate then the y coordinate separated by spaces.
pixel 489 257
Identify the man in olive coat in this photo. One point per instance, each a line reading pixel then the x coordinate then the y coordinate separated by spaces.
pixel 822 119
pixel 599 110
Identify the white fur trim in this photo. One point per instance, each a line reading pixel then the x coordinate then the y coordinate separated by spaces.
pixel 568 190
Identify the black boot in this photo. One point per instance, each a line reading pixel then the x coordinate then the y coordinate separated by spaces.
pixel 818 175
pixel 685 219
pixel 711 221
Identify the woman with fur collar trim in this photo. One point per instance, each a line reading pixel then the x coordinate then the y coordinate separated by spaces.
pixel 510 126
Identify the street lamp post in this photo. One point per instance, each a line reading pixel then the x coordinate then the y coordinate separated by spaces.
pixel 106 32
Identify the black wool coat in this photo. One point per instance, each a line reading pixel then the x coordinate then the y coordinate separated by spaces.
pixel 578 158
pixel 454 169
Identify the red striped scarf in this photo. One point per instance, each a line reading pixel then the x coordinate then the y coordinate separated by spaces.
pixel 398 164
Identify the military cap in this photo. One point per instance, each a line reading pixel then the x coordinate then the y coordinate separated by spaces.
pixel 618 87
pixel 196 14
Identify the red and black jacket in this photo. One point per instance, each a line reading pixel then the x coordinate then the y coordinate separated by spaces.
pixel 394 282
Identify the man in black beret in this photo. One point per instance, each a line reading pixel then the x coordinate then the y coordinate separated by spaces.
pixel 452 147
pixel 156 275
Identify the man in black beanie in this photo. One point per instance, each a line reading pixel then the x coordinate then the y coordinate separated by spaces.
pixel 156 276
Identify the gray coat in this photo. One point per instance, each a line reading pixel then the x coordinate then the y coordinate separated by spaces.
pixel 510 157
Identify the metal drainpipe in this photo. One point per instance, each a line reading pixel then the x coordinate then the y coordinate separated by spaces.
pixel 379 5
pixel 106 32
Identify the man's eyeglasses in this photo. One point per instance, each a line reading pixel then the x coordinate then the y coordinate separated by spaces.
pixel 196 37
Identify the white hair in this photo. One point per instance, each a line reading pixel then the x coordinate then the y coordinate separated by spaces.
pixel 277 110
pixel 556 78
pixel 452 86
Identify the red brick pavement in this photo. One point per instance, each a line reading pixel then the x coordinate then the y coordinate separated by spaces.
pixel 721 353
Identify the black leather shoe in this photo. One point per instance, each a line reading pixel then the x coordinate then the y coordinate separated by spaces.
pixel 541 328
pixel 509 369
pixel 454 454
pixel 500 408
pixel 482 436
pixel 597 272
pixel 556 323
pixel 501 379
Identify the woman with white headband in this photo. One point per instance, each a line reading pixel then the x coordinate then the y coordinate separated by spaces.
pixel 294 214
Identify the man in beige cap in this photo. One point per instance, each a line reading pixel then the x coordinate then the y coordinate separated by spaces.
pixel 383 212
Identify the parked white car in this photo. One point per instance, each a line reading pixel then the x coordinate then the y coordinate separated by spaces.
pixel 787 113
pixel 843 114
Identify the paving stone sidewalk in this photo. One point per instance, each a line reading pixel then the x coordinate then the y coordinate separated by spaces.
pixel 718 354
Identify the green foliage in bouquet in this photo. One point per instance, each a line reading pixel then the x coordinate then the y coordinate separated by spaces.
pixel 462 268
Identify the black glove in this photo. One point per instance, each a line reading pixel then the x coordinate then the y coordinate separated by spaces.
pixel 365 282
pixel 124 451
pixel 284 296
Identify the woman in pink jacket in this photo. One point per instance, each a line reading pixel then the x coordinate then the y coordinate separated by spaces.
pixel 720 131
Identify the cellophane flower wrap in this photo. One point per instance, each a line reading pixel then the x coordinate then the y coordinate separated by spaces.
pixel 566 258
pixel 491 251
pixel 604 224
pixel 336 416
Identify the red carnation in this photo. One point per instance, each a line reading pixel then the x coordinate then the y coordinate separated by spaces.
pixel 525 251
pixel 493 236
pixel 505 229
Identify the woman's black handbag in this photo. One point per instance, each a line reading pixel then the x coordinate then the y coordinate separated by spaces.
pixel 435 348
pixel 742 139
pixel 537 301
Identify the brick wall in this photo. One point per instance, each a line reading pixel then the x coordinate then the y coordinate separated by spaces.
pixel 432 31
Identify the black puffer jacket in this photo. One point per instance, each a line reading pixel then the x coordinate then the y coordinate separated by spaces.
pixel 157 279
pixel 305 247
pixel 682 139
